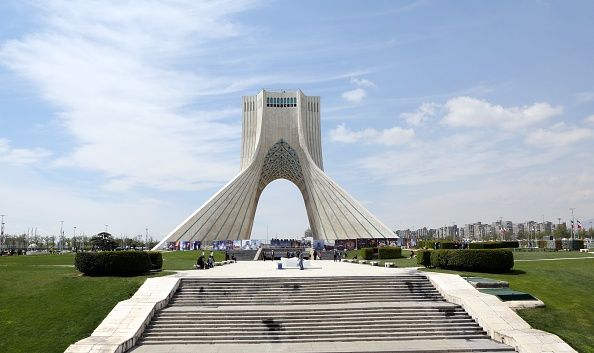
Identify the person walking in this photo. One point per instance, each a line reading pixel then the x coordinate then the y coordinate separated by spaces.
pixel 335 256
pixel 300 260
pixel 210 260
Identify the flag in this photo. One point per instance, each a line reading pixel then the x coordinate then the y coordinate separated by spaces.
pixel 579 225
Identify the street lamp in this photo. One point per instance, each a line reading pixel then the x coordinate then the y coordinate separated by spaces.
pixel 2 240
pixel 74 240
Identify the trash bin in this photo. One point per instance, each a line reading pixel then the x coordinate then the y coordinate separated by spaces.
pixel 280 265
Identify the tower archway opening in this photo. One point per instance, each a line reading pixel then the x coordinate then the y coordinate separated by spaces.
pixel 280 212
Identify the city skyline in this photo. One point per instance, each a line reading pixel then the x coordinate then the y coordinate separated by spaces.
pixel 432 112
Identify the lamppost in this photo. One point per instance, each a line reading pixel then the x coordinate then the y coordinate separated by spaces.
pixel 74 239
pixel 2 240
pixel 572 221
pixel 146 238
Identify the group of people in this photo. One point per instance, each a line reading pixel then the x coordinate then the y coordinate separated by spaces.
pixel 337 255
pixel 203 263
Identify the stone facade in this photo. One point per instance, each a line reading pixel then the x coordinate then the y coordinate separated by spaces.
pixel 281 139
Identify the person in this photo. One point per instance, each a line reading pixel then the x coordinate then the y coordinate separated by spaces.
pixel 335 255
pixel 412 254
pixel 226 256
pixel 210 260
pixel 272 255
pixel 315 254
pixel 233 258
pixel 300 260
pixel 200 262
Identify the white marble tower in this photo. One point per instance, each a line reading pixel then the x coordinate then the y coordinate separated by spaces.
pixel 281 139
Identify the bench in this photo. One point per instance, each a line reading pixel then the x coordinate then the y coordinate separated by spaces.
pixel 584 250
pixel 363 262
pixel 389 264
pixel 374 263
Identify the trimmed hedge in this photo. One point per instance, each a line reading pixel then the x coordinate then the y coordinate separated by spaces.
pixel 156 258
pixel 113 263
pixel 389 252
pixel 423 257
pixel 443 244
pixel 494 245
pixel 474 260
pixel 366 253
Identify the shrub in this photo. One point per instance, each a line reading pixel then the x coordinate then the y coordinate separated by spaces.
pixel 494 245
pixel 366 253
pixel 424 258
pixel 113 263
pixel 389 252
pixel 438 258
pixel 474 260
pixel 156 258
pixel 447 245
pixel 576 244
pixel 443 244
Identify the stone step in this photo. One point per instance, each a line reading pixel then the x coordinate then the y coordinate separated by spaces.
pixel 437 320
pixel 371 312
pixel 274 338
pixel 288 301
pixel 377 326
pixel 314 285
pixel 381 294
pixel 271 290
pixel 337 332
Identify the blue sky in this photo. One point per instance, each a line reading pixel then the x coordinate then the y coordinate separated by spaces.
pixel 127 113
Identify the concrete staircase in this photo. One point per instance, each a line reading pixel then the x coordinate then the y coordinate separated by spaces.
pixel 243 255
pixel 322 309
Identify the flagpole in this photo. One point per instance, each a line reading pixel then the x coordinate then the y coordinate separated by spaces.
pixel 572 221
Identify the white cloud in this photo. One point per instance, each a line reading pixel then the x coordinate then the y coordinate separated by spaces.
pixel 389 137
pixel 425 112
pixel 590 120
pixel 109 69
pixel 354 96
pixel 472 112
pixel 20 156
pixel 584 97
pixel 361 82
pixel 558 136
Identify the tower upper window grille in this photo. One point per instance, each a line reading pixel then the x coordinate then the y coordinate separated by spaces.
pixel 281 102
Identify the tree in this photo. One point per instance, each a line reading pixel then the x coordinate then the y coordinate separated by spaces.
pixel 307 233
pixel 561 232
pixel 103 241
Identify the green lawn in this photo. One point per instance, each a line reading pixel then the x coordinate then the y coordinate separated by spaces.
pixel 567 289
pixel 185 260
pixel 535 255
pixel 45 304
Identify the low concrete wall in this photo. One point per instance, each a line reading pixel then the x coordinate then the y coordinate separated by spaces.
pixel 495 317
pixel 124 325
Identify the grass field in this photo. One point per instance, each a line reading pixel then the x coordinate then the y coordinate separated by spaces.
pixel 45 304
pixel 565 286
pixel 185 260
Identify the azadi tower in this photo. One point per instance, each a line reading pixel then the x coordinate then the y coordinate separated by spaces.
pixel 281 139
